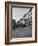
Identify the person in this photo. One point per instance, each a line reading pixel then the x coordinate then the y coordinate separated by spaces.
pixel 13 24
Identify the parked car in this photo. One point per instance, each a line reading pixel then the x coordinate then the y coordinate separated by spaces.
pixel 21 23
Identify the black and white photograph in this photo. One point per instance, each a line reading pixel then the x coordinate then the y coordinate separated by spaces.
pixel 21 25
pixel 21 22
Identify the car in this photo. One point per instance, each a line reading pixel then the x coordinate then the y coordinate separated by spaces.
pixel 21 23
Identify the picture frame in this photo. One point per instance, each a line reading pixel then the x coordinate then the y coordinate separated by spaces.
pixel 16 8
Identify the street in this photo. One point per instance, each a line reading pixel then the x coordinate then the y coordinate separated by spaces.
pixel 22 32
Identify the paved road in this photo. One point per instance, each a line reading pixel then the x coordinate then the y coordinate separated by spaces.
pixel 22 32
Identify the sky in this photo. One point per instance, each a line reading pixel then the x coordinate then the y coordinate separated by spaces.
pixel 18 13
